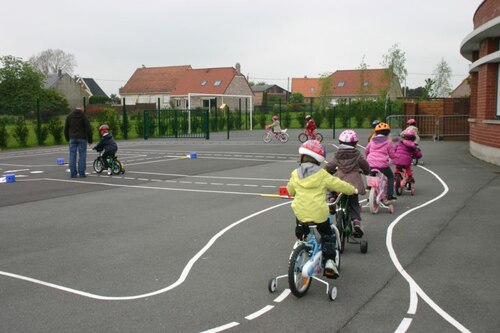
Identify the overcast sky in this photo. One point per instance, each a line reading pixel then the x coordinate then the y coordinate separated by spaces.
pixel 272 40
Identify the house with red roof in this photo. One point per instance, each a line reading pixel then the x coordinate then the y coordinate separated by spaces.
pixel 351 85
pixel 187 88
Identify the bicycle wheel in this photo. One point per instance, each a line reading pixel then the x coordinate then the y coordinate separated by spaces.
pixel 298 284
pixel 398 180
pixel 319 137
pixel 374 206
pixel 98 165
pixel 115 167
pixel 303 137
pixel 339 219
pixel 266 137
pixel 284 137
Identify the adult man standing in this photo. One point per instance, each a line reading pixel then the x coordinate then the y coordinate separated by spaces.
pixel 78 133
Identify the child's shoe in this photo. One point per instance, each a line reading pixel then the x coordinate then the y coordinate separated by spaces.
pixel 110 172
pixel 358 228
pixel 391 198
pixel 331 270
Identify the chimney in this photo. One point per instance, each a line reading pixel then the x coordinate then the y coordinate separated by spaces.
pixel 238 68
pixel 59 72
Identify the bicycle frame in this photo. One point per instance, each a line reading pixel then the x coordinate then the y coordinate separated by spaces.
pixel 377 195
pixel 345 226
pixel 404 185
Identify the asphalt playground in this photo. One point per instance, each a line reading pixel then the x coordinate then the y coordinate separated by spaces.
pixel 180 244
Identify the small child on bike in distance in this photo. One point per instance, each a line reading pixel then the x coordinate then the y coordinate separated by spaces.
pixel 347 162
pixel 405 151
pixel 308 184
pixel 379 152
pixel 412 126
pixel 107 145
pixel 310 127
pixel 372 133
pixel 275 126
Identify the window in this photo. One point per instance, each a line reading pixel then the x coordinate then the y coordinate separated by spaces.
pixel 311 89
pixel 365 84
pixel 203 83
pixel 177 102
pixel 217 83
pixel 341 84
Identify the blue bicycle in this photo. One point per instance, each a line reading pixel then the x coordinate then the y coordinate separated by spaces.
pixel 305 264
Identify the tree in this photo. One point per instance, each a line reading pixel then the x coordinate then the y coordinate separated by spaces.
pixel 395 61
pixel 325 90
pixel 51 61
pixel 442 75
pixel 428 89
pixel 20 86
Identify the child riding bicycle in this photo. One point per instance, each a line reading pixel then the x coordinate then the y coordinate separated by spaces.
pixel 347 162
pixel 405 151
pixel 275 126
pixel 379 152
pixel 107 145
pixel 308 184
pixel 310 127
pixel 412 126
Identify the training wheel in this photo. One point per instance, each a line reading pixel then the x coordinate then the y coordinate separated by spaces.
pixel 332 293
pixel 390 209
pixel 272 285
pixel 363 246
pixel 412 191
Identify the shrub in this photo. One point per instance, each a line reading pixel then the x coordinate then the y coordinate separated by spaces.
pixel 55 128
pixel 21 132
pixel 4 134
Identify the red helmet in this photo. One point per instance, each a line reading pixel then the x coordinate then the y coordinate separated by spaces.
pixel 411 121
pixel 103 129
pixel 275 117
pixel 314 149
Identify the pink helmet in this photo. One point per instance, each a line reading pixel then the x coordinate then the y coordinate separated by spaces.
pixel 348 136
pixel 409 135
pixel 275 117
pixel 314 149
pixel 411 121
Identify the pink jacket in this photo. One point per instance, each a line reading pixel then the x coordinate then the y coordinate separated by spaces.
pixel 405 151
pixel 379 151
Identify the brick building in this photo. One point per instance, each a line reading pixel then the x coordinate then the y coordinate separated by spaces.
pixel 481 47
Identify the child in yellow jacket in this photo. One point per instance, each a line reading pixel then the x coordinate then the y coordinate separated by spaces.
pixel 308 185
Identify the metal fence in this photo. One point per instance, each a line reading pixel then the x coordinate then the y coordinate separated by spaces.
pixel 435 126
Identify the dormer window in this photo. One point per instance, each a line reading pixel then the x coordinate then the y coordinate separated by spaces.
pixel 217 83
pixel 341 84
pixel 203 83
pixel 311 89
pixel 365 84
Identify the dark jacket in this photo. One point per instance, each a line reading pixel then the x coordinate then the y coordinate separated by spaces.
pixel 108 144
pixel 346 164
pixel 77 126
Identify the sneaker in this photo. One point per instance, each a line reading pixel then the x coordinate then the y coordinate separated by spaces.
pixel 331 270
pixel 358 228
pixel 110 171
pixel 391 198
pixel 410 180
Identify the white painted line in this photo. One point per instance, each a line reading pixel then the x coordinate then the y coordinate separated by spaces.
pixel 180 280
pixel 403 326
pixel 412 309
pixel 221 328
pixel 282 296
pixel 260 312
pixel 399 267
pixel 218 184
pixel 206 177
pixel 250 185
pixel 34 172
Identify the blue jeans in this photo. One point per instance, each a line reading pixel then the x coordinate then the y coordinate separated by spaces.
pixel 80 146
